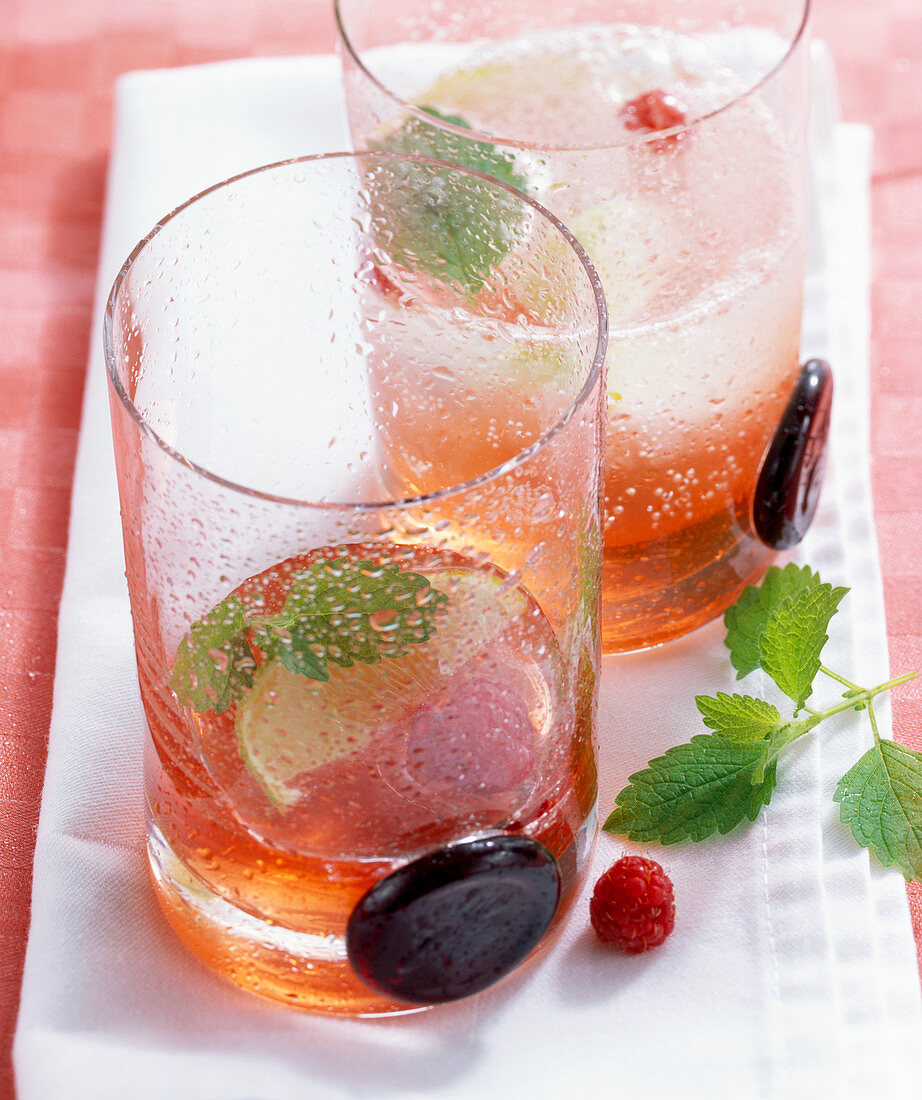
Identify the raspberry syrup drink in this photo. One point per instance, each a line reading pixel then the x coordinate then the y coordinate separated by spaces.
pixel 676 156
pixel 370 773
pixel 292 802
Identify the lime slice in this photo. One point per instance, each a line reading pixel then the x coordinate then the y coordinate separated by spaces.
pixel 479 610
pixel 512 96
pixel 289 725
pixel 631 240
pixel 539 365
pixel 628 240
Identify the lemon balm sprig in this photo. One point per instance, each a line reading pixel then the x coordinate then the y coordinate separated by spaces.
pixel 719 779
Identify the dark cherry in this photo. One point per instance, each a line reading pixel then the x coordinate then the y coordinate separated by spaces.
pixel 791 477
pixel 454 921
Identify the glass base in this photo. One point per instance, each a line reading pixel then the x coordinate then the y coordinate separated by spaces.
pixel 296 968
pixel 305 971
pixel 653 599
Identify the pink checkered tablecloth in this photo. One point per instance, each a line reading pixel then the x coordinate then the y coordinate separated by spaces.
pixel 58 61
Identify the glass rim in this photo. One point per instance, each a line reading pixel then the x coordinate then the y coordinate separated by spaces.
pixel 520 458
pixel 635 139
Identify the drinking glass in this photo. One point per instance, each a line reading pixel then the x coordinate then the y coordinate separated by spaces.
pixel 370 774
pixel 671 138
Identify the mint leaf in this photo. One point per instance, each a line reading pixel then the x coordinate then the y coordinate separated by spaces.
pixel 794 636
pixel 345 612
pixel 739 718
pixel 341 611
pixel 780 626
pixel 703 787
pixel 454 227
pixel 747 618
pixel 881 801
pixel 214 663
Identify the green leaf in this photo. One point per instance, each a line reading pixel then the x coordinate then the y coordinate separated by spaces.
pixel 716 781
pixel 340 611
pixel 344 611
pixel 454 227
pixel 881 801
pixel 747 618
pixel 214 663
pixel 739 718
pixel 697 789
pixel 794 637
pixel 780 626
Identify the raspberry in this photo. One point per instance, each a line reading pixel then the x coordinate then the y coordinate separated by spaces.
pixel 481 741
pixel 656 110
pixel 633 906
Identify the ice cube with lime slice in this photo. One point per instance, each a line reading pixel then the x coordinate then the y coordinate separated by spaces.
pixel 290 725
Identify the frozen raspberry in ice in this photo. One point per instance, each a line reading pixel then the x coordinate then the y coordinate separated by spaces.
pixel 480 741
pixel 653 111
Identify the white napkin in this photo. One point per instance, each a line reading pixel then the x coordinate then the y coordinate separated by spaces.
pixel 792 968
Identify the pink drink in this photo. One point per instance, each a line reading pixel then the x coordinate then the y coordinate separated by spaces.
pixel 295 800
pixel 370 770
pixel 694 215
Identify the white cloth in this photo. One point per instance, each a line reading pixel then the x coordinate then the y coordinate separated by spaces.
pixel 792 969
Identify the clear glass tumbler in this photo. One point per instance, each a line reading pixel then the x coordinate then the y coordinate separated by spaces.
pixel 671 138
pixel 370 770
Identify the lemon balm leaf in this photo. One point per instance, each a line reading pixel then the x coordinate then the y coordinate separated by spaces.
pixel 780 626
pixel 345 612
pixel 482 156
pixel 739 718
pixel 454 227
pixel 747 619
pixel 295 650
pixel 881 801
pixel 794 636
pixel 214 664
pixel 694 790
pixel 338 611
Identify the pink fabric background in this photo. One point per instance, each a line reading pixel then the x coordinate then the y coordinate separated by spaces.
pixel 58 60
